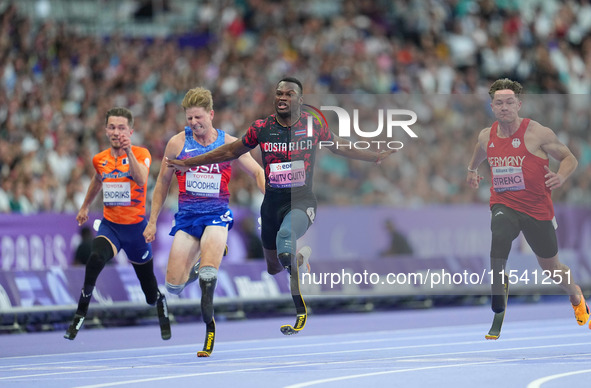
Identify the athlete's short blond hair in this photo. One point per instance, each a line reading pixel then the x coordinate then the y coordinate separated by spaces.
pixel 198 97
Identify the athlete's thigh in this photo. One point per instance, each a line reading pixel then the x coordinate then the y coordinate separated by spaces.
pixel 272 213
pixel 136 248
pixel 213 243
pixel 183 255
pixel 541 236
pixel 505 221
pixel 106 230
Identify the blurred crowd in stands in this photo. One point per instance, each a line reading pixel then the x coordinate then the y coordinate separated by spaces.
pixel 56 85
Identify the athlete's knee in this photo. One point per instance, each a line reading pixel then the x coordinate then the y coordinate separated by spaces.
pixel 151 297
pixel 284 232
pixel 285 240
pixel 498 303
pixel 208 274
pixel 501 243
pixel 101 252
pixel 556 269
pixel 285 259
pixel 207 282
pixel 174 289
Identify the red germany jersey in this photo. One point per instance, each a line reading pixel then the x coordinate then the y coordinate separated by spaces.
pixel 518 175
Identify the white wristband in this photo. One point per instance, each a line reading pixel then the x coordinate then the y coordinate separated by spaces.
pixel 475 170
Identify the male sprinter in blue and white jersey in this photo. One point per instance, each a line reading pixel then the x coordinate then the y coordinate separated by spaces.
pixel 203 218
pixel 288 153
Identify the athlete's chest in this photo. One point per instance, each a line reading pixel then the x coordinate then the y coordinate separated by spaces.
pixel 286 141
pixel 275 134
pixel 114 168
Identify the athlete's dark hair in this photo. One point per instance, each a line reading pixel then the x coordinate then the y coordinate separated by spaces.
pixel 293 80
pixel 505 84
pixel 120 112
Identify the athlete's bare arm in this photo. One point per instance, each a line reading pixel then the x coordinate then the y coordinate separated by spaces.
pixel 247 163
pixel 221 154
pixel 551 145
pixel 478 156
pixel 173 149
pixel 139 171
pixel 94 188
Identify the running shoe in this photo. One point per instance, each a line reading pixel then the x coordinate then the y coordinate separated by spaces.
pixel 581 312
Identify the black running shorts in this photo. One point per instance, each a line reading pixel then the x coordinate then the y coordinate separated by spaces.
pixel 275 207
pixel 540 235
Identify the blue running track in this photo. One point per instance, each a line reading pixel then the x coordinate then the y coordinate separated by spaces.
pixel 540 346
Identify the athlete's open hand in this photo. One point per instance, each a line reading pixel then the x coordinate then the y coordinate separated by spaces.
pixel 383 155
pixel 553 180
pixel 474 179
pixel 176 164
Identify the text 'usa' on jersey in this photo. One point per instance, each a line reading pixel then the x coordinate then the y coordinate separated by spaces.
pixel 203 189
pixel 288 153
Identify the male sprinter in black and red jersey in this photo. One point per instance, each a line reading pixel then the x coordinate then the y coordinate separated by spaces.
pixel 289 205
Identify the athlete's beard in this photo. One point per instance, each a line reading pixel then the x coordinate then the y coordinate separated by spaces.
pixel 284 115
pixel 289 116
pixel 114 145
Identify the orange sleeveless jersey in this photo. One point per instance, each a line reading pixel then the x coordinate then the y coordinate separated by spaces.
pixel 124 201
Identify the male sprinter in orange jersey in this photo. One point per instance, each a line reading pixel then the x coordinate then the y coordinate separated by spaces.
pixel 122 174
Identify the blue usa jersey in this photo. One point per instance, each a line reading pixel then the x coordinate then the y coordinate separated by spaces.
pixel 203 189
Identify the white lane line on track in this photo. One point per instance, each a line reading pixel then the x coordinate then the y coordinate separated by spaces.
pixel 340 378
pixel 384 336
pixel 291 365
pixel 210 361
pixel 538 382
pixel 463 364
pixel 395 335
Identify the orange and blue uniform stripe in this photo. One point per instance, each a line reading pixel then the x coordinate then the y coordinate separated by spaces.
pixel 123 199
pixel 124 214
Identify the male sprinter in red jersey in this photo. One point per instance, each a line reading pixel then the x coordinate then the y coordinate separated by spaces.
pixel 203 219
pixel 517 150
pixel 289 206
pixel 122 175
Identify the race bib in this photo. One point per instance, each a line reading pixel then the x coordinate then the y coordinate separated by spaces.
pixel 287 174
pixel 507 178
pixel 116 194
pixel 203 184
